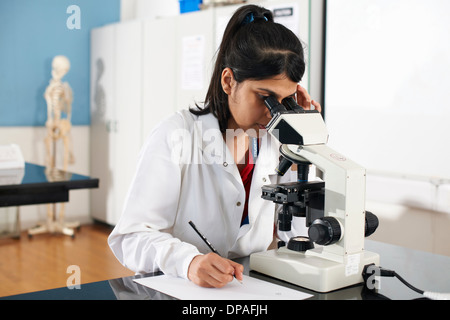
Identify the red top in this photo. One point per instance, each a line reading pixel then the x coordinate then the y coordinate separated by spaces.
pixel 246 176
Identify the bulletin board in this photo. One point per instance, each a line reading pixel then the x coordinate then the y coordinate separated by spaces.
pixel 387 84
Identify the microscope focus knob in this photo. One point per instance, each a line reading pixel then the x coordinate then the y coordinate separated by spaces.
pixel 325 231
pixel 371 223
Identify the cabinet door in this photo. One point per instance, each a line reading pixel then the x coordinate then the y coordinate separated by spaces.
pixel 102 146
pixel 159 72
pixel 195 61
pixel 128 102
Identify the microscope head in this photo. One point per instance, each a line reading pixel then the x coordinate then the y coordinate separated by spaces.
pixel 291 124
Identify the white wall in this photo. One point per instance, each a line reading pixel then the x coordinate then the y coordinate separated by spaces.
pixel 386 108
pixel 410 227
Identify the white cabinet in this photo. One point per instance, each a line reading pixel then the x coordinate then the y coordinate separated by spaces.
pixel 159 70
pixel 102 146
pixel 136 72
pixel 194 58
pixel 128 108
pixel 116 99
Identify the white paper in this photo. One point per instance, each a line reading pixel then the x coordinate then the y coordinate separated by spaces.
pixel 250 289
pixel 193 52
pixel 11 157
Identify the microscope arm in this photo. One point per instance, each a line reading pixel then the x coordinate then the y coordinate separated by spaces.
pixel 304 137
pixel 344 195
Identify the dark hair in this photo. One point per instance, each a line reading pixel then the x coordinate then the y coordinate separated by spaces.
pixel 254 47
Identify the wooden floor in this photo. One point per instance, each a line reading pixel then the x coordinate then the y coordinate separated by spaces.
pixel 41 263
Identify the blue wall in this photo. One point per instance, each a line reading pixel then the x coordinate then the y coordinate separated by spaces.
pixel 32 32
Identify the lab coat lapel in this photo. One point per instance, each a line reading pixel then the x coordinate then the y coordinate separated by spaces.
pixel 261 212
pixel 264 174
pixel 213 148
pixel 215 151
pixel 268 160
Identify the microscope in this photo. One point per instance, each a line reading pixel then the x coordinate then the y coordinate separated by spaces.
pixel 333 255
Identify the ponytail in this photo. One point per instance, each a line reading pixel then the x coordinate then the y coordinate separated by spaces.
pixel 253 47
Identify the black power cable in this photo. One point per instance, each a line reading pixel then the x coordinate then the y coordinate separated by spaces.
pixel 371 269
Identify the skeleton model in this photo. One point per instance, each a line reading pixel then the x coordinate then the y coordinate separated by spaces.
pixel 58 96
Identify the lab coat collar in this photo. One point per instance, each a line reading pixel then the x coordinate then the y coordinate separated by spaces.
pixel 215 149
pixel 210 141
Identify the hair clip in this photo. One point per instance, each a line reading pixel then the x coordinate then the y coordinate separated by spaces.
pixel 250 17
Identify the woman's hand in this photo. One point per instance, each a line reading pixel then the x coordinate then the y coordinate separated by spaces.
pixel 211 270
pixel 304 100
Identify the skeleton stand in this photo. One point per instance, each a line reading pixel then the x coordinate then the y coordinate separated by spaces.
pixel 55 223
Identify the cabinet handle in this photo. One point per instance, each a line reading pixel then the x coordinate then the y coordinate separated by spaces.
pixel 112 126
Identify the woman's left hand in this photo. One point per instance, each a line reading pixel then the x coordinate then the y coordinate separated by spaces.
pixel 304 100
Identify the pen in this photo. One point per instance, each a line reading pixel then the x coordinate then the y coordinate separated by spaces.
pixel 207 243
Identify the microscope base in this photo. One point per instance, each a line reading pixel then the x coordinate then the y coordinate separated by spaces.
pixel 310 271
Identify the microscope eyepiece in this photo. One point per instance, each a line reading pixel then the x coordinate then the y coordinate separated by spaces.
pixel 291 104
pixel 274 106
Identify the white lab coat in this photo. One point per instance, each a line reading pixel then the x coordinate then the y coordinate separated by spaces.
pixel 185 172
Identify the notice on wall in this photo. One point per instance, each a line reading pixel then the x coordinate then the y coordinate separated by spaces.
pixel 192 64
pixel 287 15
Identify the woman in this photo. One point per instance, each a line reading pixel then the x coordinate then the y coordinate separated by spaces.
pixel 207 165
